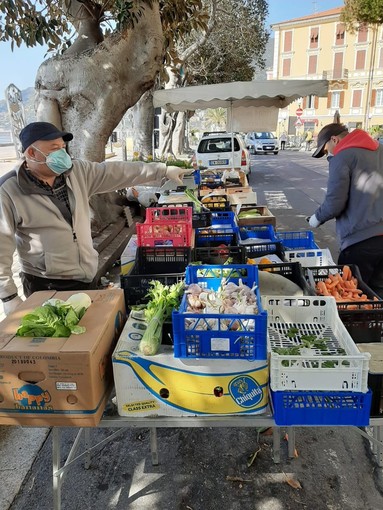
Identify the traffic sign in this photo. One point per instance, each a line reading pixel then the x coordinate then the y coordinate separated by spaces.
pixel 299 112
pixel 298 122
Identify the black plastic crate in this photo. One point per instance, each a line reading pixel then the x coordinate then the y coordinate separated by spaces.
pixel 219 255
pixel 375 383
pixel 166 265
pixel 201 219
pixel 292 271
pixel 162 260
pixel 253 251
pixel 363 320
pixel 213 237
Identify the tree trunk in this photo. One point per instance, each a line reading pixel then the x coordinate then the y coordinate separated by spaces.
pixel 143 119
pixel 89 92
pixel 178 139
pixel 167 123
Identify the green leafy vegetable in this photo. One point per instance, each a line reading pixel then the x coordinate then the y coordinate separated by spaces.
pixel 55 318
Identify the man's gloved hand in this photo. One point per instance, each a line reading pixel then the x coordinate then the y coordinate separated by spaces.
pixel 10 306
pixel 176 174
pixel 313 221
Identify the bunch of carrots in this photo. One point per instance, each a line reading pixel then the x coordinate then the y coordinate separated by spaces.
pixel 344 288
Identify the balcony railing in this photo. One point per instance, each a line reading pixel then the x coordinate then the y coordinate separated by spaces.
pixel 339 74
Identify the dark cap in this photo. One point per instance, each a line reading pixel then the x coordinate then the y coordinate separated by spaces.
pixel 41 131
pixel 325 135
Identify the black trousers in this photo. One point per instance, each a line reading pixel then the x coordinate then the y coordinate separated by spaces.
pixel 368 256
pixel 33 284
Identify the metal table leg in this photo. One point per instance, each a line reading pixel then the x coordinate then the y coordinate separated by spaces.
pixel 377 431
pixel 154 446
pixel 56 464
pixel 276 445
pixel 291 442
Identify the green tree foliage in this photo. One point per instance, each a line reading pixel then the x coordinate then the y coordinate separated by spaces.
pixel 57 24
pixel 362 11
pixel 236 44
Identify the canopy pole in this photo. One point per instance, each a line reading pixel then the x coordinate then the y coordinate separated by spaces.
pixel 230 112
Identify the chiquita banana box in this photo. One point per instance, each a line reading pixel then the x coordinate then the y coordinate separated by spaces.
pixel 162 385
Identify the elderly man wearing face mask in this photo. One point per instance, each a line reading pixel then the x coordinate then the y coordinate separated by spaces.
pixel 45 214
pixel 354 198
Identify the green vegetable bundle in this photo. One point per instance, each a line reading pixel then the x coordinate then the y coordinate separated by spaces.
pixel 163 299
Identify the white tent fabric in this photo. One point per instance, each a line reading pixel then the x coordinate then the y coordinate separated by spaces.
pixel 277 93
pixel 254 118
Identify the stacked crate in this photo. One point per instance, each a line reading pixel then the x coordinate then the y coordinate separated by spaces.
pixel 317 374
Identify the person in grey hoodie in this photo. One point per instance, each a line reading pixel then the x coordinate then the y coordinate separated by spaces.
pixel 354 198
pixel 45 213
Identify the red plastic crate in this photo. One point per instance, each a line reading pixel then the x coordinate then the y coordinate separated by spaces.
pixel 169 214
pixel 164 233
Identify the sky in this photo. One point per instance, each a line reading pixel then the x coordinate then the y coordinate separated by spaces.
pixel 20 66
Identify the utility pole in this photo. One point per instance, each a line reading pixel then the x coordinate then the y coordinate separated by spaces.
pixel 370 77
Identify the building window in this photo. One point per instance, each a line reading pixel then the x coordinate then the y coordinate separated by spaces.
pixel 380 63
pixel 339 39
pixel 335 99
pixel 313 64
pixel 338 65
pixel 360 62
pixel 356 98
pixel 286 67
pixel 288 44
pixel 314 37
pixel 311 101
pixel 363 33
pixel 379 97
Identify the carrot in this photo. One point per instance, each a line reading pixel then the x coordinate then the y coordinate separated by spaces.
pixel 322 289
pixel 346 273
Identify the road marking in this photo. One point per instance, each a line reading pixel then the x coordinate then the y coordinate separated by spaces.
pixel 277 200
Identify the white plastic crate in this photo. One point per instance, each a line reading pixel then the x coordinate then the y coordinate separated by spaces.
pixel 312 369
pixel 309 258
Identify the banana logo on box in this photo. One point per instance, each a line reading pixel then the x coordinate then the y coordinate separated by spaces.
pixel 198 392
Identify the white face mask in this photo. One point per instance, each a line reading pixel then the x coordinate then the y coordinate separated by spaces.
pixel 58 161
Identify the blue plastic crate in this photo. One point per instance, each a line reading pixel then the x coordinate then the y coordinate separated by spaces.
pixel 223 218
pixel 321 408
pixel 210 276
pixel 302 240
pixel 216 335
pixel 256 234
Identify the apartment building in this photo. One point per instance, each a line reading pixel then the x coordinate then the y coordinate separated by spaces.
pixel 319 47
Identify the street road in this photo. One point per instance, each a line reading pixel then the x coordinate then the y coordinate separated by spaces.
pixel 207 469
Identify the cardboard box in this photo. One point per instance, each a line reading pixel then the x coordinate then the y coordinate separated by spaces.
pixel 60 381
pixel 243 197
pixel 162 385
pixel 128 256
pixel 267 217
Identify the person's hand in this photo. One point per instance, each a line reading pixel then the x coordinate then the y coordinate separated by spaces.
pixel 10 306
pixel 313 221
pixel 176 174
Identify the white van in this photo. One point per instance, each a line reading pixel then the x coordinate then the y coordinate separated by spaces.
pixel 262 142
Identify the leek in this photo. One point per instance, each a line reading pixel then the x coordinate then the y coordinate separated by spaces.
pixel 162 301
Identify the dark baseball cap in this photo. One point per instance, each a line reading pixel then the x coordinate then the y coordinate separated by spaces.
pixel 41 131
pixel 325 135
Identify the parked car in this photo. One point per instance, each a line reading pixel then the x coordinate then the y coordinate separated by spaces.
pixel 214 151
pixel 262 142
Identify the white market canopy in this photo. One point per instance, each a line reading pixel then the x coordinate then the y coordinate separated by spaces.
pixel 278 93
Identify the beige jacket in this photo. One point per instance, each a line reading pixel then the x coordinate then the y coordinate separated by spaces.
pixel 47 245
